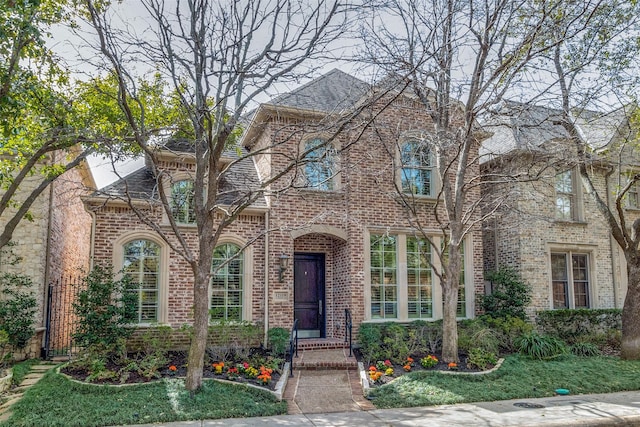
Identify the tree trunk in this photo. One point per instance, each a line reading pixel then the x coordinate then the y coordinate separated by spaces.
pixel 198 345
pixel 449 322
pixel 630 349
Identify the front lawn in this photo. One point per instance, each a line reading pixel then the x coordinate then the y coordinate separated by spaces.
pixel 56 401
pixel 517 378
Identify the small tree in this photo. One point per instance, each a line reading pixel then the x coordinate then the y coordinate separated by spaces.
pixel 509 294
pixel 104 310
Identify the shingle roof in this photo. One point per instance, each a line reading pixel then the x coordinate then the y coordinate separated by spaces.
pixel 520 127
pixel 240 180
pixel 331 92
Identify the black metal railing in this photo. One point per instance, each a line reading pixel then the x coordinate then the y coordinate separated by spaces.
pixel 348 330
pixel 61 321
pixel 293 345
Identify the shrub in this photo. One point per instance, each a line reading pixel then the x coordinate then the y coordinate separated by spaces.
pixel 231 339
pixel 278 340
pixel 509 297
pixel 584 349
pixel 17 309
pixel 425 337
pixel 574 325
pixel 474 333
pixel 370 341
pixel 104 309
pixel 395 342
pixel 507 330
pixel 541 347
pixel 481 359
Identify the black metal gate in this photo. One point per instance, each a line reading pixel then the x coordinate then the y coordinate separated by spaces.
pixel 61 321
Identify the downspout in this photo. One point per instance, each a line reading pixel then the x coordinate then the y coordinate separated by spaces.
pixel 612 246
pixel 266 278
pixel 92 237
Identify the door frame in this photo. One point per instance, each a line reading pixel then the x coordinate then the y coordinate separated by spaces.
pixel 320 257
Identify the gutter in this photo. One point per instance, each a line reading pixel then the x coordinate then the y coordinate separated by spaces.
pixel 266 278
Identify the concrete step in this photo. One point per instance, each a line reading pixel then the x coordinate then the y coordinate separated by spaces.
pixel 325 366
pixel 321 344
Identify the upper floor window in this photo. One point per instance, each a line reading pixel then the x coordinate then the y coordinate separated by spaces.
pixel 418 168
pixel 142 264
pixel 320 168
pixel 566 196
pixel 182 203
pixel 633 195
pixel 227 283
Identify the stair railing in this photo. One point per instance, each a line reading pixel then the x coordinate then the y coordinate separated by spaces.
pixel 348 329
pixel 293 345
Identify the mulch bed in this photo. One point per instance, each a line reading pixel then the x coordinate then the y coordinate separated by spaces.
pixel 178 359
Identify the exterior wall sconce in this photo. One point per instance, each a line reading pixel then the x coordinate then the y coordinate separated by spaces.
pixel 284 264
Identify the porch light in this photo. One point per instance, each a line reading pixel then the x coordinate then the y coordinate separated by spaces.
pixel 284 264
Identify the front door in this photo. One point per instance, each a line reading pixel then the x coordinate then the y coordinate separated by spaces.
pixel 308 294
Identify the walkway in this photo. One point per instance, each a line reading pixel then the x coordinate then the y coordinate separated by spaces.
pixel 619 409
pixel 325 380
pixel 35 374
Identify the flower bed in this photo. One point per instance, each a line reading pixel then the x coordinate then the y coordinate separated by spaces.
pixel 259 369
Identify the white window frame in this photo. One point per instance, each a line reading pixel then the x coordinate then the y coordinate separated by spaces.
pixel 575 197
pixel 402 292
pixel 190 208
pixel 247 277
pixel 163 259
pixel 432 168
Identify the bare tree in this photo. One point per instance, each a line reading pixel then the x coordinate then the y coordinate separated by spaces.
pixel 595 69
pixel 217 58
pixel 460 59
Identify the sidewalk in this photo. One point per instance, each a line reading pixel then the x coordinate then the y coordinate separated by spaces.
pixel 619 409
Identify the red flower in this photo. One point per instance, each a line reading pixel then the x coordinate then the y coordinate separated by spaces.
pixel 173 368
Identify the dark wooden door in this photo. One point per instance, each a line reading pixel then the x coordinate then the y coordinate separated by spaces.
pixel 308 294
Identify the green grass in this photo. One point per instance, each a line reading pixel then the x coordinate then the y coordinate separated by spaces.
pixel 517 378
pixel 56 401
pixel 21 369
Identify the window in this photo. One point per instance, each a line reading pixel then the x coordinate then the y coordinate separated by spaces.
pixel 565 196
pixel 227 283
pixel 384 277
pixel 418 171
pixel 402 280
pixel 320 167
pixel 142 265
pixel 419 278
pixel 570 280
pixel 633 201
pixel 182 204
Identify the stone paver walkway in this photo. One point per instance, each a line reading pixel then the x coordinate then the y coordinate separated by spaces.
pixel 325 381
pixel 35 374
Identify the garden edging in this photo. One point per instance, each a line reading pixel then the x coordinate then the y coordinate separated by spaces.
pixel 277 393
pixel 366 387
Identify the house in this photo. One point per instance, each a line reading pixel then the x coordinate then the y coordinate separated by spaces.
pixel 52 244
pixel 548 228
pixel 327 236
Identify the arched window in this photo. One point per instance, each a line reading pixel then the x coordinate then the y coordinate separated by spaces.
pixel 182 204
pixel 142 264
pixel 418 169
pixel 227 283
pixel 320 168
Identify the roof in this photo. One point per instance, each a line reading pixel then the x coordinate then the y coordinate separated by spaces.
pixel 527 127
pixel 240 180
pixel 332 92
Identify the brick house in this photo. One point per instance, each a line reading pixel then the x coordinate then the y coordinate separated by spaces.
pixel 55 243
pixel 549 229
pixel 337 237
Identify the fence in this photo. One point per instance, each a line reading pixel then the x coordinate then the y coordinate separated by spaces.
pixel 61 321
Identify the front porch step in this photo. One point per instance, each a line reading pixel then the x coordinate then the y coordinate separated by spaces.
pixel 324 359
pixel 321 344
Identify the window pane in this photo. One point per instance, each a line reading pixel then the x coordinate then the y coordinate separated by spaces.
pixel 182 203
pixel 565 195
pixel 417 168
pixel 227 283
pixel 142 264
pixel 559 277
pixel 580 280
pixel 419 283
pixel 384 285
pixel 320 168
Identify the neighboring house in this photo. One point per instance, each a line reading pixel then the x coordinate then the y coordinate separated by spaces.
pixel 548 228
pixel 55 243
pixel 337 237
